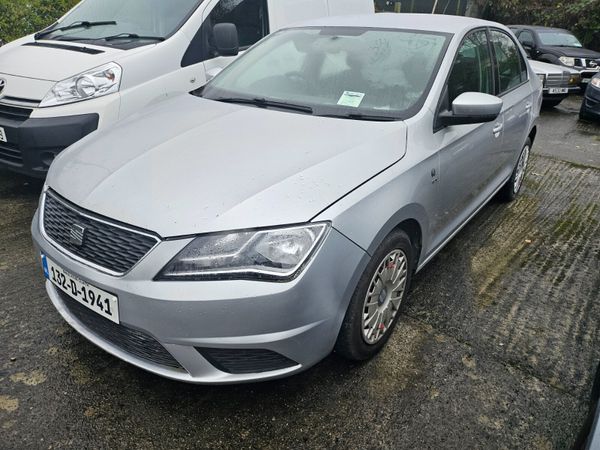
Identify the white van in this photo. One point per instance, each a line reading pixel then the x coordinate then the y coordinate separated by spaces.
pixel 107 59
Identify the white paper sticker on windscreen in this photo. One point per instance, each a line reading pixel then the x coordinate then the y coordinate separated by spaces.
pixel 352 99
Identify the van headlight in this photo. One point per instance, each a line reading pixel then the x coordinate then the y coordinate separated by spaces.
pixel 277 254
pixel 567 61
pixel 94 83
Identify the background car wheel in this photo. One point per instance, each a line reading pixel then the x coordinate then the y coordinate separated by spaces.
pixel 583 115
pixel 377 301
pixel 513 186
pixel 552 103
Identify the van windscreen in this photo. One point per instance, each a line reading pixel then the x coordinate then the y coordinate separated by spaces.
pixel 122 21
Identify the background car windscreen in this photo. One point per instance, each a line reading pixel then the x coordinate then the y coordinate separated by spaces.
pixel 335 70
pixel 554 39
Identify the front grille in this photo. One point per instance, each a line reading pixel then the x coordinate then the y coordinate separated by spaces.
pixel 105 245
pixel 245 361
pixel 14 113
pixel 555 80
pixel 130 340
pixel 590 63
pixel 10 154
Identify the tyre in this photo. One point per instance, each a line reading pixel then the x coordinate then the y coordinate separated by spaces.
pixel 583 115
pixel 377 301
pixel 513 186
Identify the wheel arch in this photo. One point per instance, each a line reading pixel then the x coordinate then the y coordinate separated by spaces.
pixel 411 219
pixel 533 134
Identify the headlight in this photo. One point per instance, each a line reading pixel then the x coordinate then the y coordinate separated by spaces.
pixel 94 83
pixel 596 82
pixel 542 78
pixel 567 61
pixel 575 80
pixel 276 254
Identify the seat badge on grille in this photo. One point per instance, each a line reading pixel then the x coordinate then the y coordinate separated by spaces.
pixel 77 235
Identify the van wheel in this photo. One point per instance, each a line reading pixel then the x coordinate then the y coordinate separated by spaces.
pixel 511 189
pixel 377 301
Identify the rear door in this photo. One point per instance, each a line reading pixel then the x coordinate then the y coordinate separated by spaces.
pixel 514 88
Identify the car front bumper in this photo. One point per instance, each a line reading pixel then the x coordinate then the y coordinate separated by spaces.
pixel 297 320
pixel 591 102
pixel 33 143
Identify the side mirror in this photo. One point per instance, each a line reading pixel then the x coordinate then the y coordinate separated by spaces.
pixel 226 39
pixel 472 107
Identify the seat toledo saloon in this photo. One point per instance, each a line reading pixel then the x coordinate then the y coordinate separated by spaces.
pixel 245 231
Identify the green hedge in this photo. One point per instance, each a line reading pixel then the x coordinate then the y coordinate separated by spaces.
pixel 21 17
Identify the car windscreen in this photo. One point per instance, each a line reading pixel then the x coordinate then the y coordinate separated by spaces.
pixel 123 20
pixel 333 71
pixel 559 39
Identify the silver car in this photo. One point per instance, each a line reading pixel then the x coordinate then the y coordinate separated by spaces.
pixel 246 231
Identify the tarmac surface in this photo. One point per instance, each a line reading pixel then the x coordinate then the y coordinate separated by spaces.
pixel 498 347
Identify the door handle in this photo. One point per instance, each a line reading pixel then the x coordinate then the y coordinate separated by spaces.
pixel 528 106
pixel 497 129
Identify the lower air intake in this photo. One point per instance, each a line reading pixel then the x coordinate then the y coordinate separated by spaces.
pixel 245 361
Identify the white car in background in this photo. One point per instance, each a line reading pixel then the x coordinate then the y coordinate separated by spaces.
pixel 107 59
pixel 558 81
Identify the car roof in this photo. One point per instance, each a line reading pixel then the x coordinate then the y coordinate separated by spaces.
pixel 537 27
pixel 418 22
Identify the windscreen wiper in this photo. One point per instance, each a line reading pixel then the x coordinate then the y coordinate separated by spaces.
pixel 120 36
pixel 74 25
pixel 368 117
pixel 264 103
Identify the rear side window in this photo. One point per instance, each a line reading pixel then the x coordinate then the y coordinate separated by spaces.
pixel 472 70
pixel 250 17
pixel 512 70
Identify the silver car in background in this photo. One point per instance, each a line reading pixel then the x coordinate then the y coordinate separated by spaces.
pixel 244 232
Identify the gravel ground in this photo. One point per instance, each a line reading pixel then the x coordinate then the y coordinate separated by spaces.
pixel 497 349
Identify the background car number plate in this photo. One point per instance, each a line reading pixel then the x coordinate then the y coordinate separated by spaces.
pixel 3 135
pixel 99 301
pixel 559 90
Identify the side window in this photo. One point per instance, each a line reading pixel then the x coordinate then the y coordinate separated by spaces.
pixel 526 37
pixel 250 17
pixel 472 70
pixel 512 70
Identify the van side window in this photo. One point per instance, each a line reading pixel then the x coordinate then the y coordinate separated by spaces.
pixel 250 17
pixel 512 70
pixel 472 70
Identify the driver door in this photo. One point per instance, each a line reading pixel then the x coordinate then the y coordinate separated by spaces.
pixel 468 153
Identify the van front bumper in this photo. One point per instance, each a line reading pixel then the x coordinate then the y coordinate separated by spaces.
pixel 215 332
pixel 33 143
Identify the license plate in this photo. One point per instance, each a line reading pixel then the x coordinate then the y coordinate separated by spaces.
pixel 3 135
pixel 585 80
pixel 99 301
pixel 559 90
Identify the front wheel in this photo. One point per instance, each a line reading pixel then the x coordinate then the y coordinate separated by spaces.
pixel 376 303
pixel 511 189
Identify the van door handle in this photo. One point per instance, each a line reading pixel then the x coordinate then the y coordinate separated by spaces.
pixel 528 106
pixel 497 129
